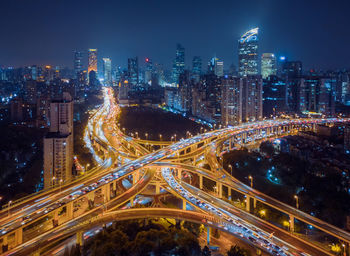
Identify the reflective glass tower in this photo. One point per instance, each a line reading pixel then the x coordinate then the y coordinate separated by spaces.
pixel 179 63
pixel 107 71
pixel 248 53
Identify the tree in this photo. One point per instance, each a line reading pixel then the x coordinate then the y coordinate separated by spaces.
pixel 206 251
pixel 237 251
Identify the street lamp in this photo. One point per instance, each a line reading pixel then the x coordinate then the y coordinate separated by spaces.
pixel 61 184
pixel 137 135
pixel 296 201
pixel 146 134
pixel 86 167
pixel 160 137
pixel 175 136
pixel 251 181
pixel 230 166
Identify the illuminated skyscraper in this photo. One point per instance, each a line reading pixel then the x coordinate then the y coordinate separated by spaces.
pixel 248 53
pixel 107 71
pixel 196 67
pixel 133 71
pixel 268 65
pixel 92 65
pixel 78 63
pixel 216 67
pixel 148 71
pixel 179 63
pixel 231 104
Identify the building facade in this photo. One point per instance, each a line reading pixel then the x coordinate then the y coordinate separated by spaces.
pixel 248 53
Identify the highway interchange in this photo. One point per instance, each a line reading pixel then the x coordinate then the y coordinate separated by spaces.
pixel 119 161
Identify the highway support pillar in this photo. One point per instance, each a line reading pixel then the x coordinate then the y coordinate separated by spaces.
pixel 291 223
pixel 208 235
pixel 179 173
pixel 347 249
pixel 157 188
pixel 184 204
pixel 135 177
pixel 254 202
pixel 18 236
pixel 5 245
pixel 69 210
pixel 36 253
pixel 247 205
pixel 107 192
pixel 200 181
pixel 219 190
pixel 229 193
pixel 132 201
pixel 80 239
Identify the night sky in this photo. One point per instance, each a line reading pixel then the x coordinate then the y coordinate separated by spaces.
pixel 48 31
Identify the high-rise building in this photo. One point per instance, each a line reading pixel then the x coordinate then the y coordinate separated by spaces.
pixel 317 95
pixel 248 53
pixel 179 63
pixel 252 98
pixel 292 69
pixel 107 71
pixel 78 63
pixel 216 67
pixel 58 143
pixel 92 61
pixel 30 92
pixel 231 104
pixel 148 71
pixel 133 71
pixel 196 68
pixel 268 65
pixel 274 95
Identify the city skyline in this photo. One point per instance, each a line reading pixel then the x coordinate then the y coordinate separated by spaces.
pixel 299 26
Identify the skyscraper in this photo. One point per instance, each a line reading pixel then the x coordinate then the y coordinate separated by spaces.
pixel 268 65
pixel 92 61
pixel 133 71
pixel 107 71
pixel 216 67
pixel 196 68
pixel 179 63
pixel 248 53
pixel 58 143
pixel 274 95
pixel 148 71
pixel 78 63
pixel 231 104
pixel 252 98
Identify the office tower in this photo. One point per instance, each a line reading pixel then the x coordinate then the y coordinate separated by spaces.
pixel 92 61
pixel 107 71
pixel 231 104
pixel 252 98
pixel 248 53
pixel 178 64
pixel 292 69
pixel 216 67
pixel 274 95
pixel 148 71
pixel 78 63
pixel 268 65
pixel 317 95
pixel 30 91
pixel 58 143
pixel 196 68
pixel 133 71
